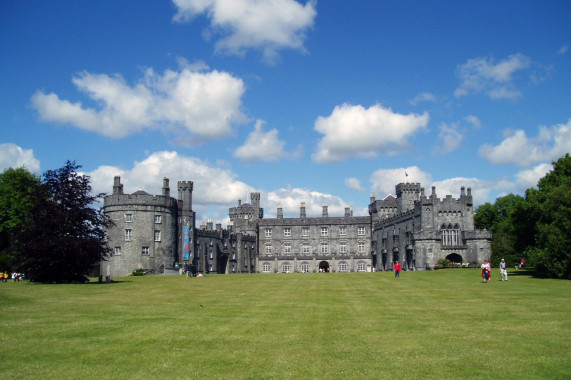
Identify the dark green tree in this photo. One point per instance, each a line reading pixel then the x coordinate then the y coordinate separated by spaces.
pixel 19 194
pixel 550 256
pixel 67 235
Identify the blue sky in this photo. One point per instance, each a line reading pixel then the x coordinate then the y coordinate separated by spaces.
pixel 307 101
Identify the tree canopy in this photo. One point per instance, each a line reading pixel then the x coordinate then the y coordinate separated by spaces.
pixel 536 227
pixel 64 235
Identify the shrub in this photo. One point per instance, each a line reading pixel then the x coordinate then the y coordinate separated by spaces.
pixel 138 272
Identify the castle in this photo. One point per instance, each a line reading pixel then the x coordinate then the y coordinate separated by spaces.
pixel 157 233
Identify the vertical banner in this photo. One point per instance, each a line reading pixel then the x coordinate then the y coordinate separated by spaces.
pixel 186 243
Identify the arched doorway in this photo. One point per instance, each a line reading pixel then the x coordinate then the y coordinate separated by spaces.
pixel 454 258
pixel 324 267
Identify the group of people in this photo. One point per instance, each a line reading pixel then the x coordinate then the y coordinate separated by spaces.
pixel 15 276
pixel 487 271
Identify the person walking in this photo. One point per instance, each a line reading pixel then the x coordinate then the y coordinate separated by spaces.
pixel 503 270
pixel 397 269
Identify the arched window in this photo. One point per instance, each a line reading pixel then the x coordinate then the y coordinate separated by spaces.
pixel 286 267
pixel 361 266
pixel 266 267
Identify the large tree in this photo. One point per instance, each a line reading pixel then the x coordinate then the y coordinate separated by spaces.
pixel 19 194
pixel 67 235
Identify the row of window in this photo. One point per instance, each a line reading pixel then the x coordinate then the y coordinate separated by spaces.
pixel 129 235
pixel 144 251
pixel 129 218
pixel 304 267
pixel 361 231
pixel 306 248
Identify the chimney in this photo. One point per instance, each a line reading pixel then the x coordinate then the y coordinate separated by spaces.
pixel 302 210
pixel 372 198
pixel 469 191
pixel 433 192
pixel 280 212
pixel 209 225
pixel 324 214
pixel 117 186
pixel 347 210
pixel 218 226
pixel 166 188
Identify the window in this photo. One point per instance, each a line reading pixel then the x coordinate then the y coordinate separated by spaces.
pixel 286 268
pixel 287 231
pixel 361 247
pixel 128 235
pixel 266 268
pixel 157 235
pixel 324 248
pixel 343 231
pixel 305 231
pixel 343 247
pixel 450 235
pixel 145 251
pixel 305 249
pixel 158 219
pixel 268 249
pixel 324 231
pixel 343 266
pixel 129 218
pixel 304 267
pixel 287 249
pixel 117 251
pixel 268 232
pixel 361 266
pixel 361 231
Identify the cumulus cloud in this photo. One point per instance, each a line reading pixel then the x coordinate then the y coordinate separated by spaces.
pixel 495 79
pixel 355 131
pixel 530 177
pixel 481 190
pixel 14 156
pixel 563 49
pixel 353 183
pixel 195 105
pixel 215 188
pixel 450 138
pixel 517 148
pixel 261 146
pixel 383 181
pixel 252 24
pixel 290 199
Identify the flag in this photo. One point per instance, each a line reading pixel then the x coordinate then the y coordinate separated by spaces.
pixel 406 174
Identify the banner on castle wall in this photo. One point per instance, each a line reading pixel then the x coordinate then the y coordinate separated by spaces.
pixel 186 243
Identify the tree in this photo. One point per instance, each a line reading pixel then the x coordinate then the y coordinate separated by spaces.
pixel 551 256
pixel 67 235
pixel 19 194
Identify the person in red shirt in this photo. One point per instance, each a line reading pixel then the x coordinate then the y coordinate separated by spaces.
pixel 397 269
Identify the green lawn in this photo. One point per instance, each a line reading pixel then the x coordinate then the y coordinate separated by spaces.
pixel 438 324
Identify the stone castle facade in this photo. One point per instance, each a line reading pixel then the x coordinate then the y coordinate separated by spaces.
pixel 157 233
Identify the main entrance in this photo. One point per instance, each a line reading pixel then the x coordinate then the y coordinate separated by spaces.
pixel 323 267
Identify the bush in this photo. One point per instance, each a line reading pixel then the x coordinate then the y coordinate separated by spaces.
pixel 138 272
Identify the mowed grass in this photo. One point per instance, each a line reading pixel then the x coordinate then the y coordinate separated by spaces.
pixel 437 324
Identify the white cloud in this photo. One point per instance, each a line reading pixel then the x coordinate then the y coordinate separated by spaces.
pixel 13 156
pixel 252 24
pixel 383 181
pixel 563 49
pixel 353 183
pixel 476 123
pixel 550 144
pixel 290 199
pixel 480 190
pixel 196 106
pixel 450 138
pixel 261 146
pixel 424 97
pixel 496 79
pixel 355 131
pixel 529 177
pixel 215 188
